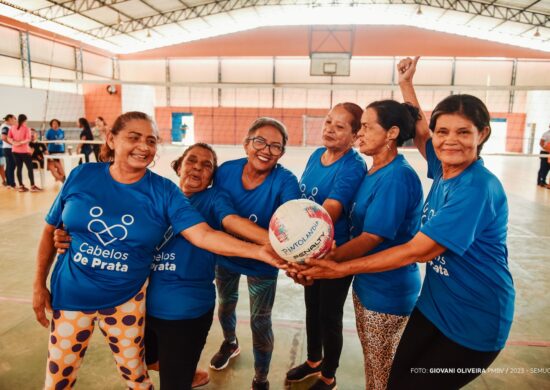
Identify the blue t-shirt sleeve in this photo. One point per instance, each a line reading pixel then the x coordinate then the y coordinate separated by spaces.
pixel 347 182
pixel 466 213
pixel 49 135
pixel 181 214
pixel 54 216
pixel 387 210
pixel 434 165
pixel 290 188
pixel 222 206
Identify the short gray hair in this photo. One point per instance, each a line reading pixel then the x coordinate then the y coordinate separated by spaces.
pixel 266 121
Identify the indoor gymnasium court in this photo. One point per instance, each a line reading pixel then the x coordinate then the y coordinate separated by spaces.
pixel 204 71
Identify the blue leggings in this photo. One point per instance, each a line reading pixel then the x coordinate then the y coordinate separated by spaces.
pixel 261 290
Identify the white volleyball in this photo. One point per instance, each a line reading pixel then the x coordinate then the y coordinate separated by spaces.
pixel 300 229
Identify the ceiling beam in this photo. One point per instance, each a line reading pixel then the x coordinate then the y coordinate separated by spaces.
pixel 472 7
pixel 478 8
pixel 67 8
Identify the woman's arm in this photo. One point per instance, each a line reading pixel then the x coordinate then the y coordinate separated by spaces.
pixel 334 209
pixel 11 141
pixel 221 243
pixel 420 249
pixel 41 300
pixel 246 229
pixel 406 70
pixel 355 248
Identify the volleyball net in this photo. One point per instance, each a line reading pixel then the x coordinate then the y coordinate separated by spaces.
pixel 221 114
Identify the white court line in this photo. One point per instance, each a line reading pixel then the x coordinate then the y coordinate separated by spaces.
pixel 524 231
pixel 12 299
pixel 526 236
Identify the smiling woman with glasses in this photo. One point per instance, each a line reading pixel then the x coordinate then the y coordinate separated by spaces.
pixel 257 185
pixel 259 143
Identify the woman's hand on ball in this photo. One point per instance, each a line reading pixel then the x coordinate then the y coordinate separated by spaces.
pixel 332 254
pixel 323 269
pixel 299 279
pixel 272 258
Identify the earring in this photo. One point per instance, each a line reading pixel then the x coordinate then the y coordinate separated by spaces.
pixel 388 146
pixel 154 162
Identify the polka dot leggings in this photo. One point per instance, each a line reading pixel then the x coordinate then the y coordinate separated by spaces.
pixel 122 326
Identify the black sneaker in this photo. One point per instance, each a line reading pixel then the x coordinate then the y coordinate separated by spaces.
pixel 301 372
pixel 259 385
pixel 227 351
pixel 320 385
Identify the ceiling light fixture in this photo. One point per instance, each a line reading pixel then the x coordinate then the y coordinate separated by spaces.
pixel 148 33
pixel 419 10
pixel 537 33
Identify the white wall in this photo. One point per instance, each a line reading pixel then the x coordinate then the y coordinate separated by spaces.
pixel 538 112
pixel 40 105
pixel 44 74
pixel 54 60
pixel 246 70
pixel 199 70
pixel 146 71
pixel 97 65
pixel 11 73
pixel 9 39
pixel 364 70
pixel 533 73
pixel 50 52
pixel 138 98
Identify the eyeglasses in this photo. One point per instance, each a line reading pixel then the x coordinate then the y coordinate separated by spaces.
pixel 258 143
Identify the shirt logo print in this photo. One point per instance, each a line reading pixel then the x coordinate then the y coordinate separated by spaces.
pixel 314 192
pixel 167 236
pixel 113 233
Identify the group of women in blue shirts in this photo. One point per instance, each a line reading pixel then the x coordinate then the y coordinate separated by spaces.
pixel 124 222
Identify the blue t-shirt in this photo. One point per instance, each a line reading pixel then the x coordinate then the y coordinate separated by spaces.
pixel 181 285
pixel 389 204
pixel 338 181
pixel 258 205
pixel 54 135
pixel 468 292
pixel 114 228
pixel 5 131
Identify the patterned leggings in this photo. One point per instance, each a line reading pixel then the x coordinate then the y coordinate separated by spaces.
pixel 122 326
pixel 261 290
pixel 379 334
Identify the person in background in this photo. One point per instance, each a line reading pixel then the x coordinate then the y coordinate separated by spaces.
pixel 331 177
pixel 2 165
pixel 38 149
pixel 116 213
pixel 464 313
pixel 55 133
pixel 544 144
pixel 100 134
pixel 85 135
pixel 20 136
pixel 257 185
pixel 9 121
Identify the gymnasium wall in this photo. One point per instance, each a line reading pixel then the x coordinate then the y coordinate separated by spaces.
pixel 225 94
